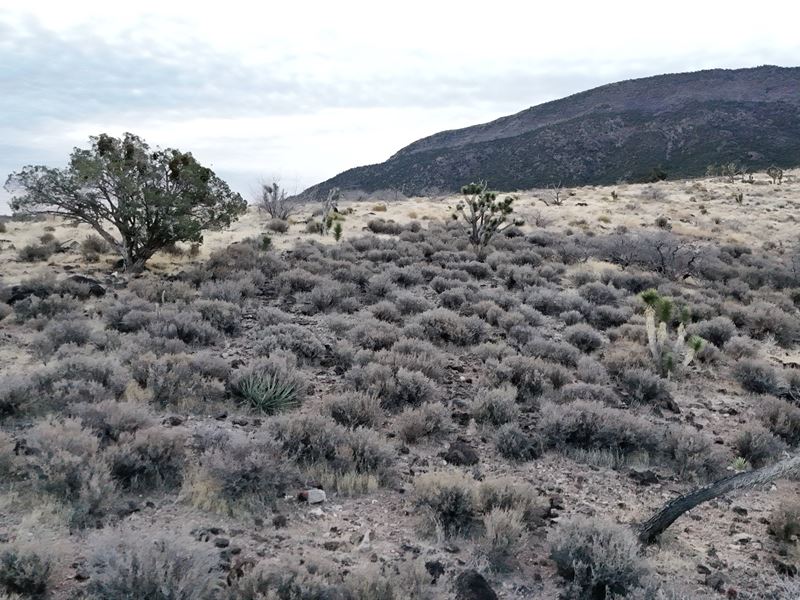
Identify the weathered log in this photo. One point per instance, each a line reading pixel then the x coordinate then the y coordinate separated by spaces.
pixel 649 531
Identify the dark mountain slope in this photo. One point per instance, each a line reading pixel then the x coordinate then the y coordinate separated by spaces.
pixel 681 122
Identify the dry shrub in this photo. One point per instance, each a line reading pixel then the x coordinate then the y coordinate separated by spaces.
pixel 597 557
pixel 448 501
pixel 758 376
pixel 495 406
pixel 110 419
pixel 504 535
pixel 784 522
pixel 427 421
pixel 758 445
pixel 444 326
pixel 149 459
pixel 24 572
pixel 355 409
pixel 781 418
pixel 583 337
pixel 514 444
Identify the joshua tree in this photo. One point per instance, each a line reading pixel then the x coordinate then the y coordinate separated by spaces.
pixel 668 354
pixel 483 215
pixel 274 202
pixel 776 174
pixel 329 209
pixel 151 197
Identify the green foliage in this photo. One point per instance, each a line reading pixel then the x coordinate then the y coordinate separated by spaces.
pixel 24 573
pixel 154 198
pixel 483 215
pixel 337 231
pixel 266 393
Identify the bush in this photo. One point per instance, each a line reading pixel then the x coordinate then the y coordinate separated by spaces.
pixel 186 381
pixel 149 459
pixel 560 352
pixel 503 537
pixel 784 522
pixel 444 326
pixel 93 246
pixel 299 340
pixel 781 418
pixel 597 557
pixel 57 333
pixel 36 252
pixel 583 337
pixel 25 573
pixel 269 385
pixel 495 406
pixel 240 474
pixel 384 226
pixel 66 460
pixel 396 390
pixel 757 445
pixel 640 386
pixel 374 335
pixel 588 391
pixel 162 291
pixel 278 225
pixel 448 498
pixel 355 410
pixel 741 347
pixel 127 564
pixel 758 377
pixel 717 330
pixel 223 316
pixel 110 419
pixel 426 421
pixel 514 444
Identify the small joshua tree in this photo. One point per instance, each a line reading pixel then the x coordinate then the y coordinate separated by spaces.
pixel 483 215
pixel 329 209
pixel 668 354
pixel 776 174
pixel 274 202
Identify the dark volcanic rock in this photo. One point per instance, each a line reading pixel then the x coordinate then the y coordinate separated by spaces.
pixel 461 453
pixel 471 585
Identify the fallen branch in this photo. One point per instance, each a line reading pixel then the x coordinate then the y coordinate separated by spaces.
pixel 649 531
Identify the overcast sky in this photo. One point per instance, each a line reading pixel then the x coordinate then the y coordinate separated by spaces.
pixel 304 90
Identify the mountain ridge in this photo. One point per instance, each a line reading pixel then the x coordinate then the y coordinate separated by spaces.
pixel 680 122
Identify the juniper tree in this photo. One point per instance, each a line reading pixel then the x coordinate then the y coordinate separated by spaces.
pixel 152 198
pixel 483 215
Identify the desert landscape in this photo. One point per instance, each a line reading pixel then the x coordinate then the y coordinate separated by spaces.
pixel 278 413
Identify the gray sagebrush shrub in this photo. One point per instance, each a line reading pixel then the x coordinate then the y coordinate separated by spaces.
pixel 184 381
pixel 355 409
pixel 516 445
pixel 444 326
pixel 599 294
pixel 161 291
pixel 561 352
pixel 409 303
pixel 448 501
pixel 741 346
pixel 385 310
pixel 597 558
pixel 495 406
pixel 57 333
pixel 717 330
pixel 220 314
pixel 640 386
pixel 758 376
pixel 784 521
pixel 529 376
pixel 781 418
pixel 24 572
pixel 756 444
pixel 110 419
pixel 149 459
pixel 301 341
pixel 591 392
pixel 373 334
pixel 422 422
pixel 126 564
pixel 583 337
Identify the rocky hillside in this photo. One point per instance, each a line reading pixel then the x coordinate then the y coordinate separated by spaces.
pixel 680 123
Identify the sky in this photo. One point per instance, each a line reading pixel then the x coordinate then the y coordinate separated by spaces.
pixel 298 92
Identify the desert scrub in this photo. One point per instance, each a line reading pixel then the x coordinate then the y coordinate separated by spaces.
pixel 269 385
pixel 395 389
pixel 758 377
pixel 448 500
pixel 24 572
pixel 127 564
pixel 424 422
pixel 757 445
pixel 516 445
pixel 299 340
pixel 355 409
pixel 503 537
pixel 64 461
pixel 444 326
pixel 583 337
pixel 149 459
pixel 495 406
pixel 784 522
pixel 185 381
pixel 781 418
pixel 596 557
pixel 238 475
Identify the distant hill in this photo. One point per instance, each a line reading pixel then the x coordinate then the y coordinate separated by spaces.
pixel 680 123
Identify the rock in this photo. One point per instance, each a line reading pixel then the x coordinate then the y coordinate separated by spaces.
pixel 221 416
pixel 435 569
pixel 703 570
pixel 241 421
pixel 331 545
pixel 312 496
pixel 173 421
pixel 740 511
pixel 557 502
pixel 93 286
pixel 643 476
pixel 461 454
pixel 222 542
pixel 716 581
pixel 471 585
pixel 742 538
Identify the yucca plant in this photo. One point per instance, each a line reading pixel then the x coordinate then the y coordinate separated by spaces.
pixel 267 393
pixel 668 354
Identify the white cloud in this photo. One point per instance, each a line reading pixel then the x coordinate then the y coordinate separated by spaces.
pixel 308 89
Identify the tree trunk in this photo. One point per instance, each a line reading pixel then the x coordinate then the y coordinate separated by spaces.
pixel 649 531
